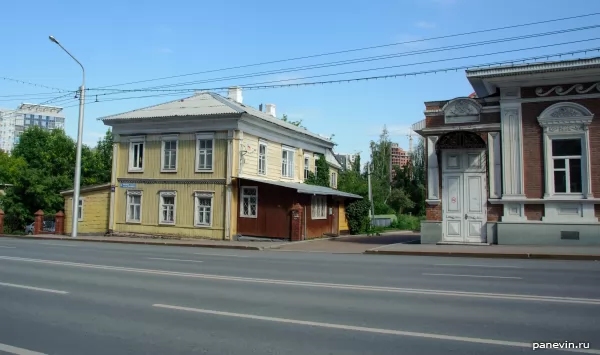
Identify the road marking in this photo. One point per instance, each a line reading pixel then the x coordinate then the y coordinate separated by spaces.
pixel 505 296
pixel 33 288
pixel 58 245
pixel 304 251
pixel 3 246
pixel 228 255
pixel 366 329
pixel 190 261
pixel 18 351
pixel 480 276
pixel 492 266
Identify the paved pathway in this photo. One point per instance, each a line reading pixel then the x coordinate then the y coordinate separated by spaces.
pixel 349 244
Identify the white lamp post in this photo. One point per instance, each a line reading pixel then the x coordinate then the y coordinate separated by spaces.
pixel 79 145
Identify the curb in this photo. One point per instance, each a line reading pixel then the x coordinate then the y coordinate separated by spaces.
pixel 487 255
pixel 172 244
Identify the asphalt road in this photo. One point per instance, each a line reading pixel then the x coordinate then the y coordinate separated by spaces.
pixel 92 298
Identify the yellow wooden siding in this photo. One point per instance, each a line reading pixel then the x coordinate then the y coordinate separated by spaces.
pixel 342 220
pixel 234 207
pixel 184 213
pixel 186 158
pixel 250 144
pixel 96 206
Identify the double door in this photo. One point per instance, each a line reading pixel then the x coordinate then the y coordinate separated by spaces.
pixel 464 195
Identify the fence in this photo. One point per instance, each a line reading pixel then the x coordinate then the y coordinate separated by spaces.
pixel 42 224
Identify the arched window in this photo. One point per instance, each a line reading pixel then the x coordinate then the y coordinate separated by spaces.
pixel 567 150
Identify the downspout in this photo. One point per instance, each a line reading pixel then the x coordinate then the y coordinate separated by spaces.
pixel 113 185
pixel 228 185
pixel 305 222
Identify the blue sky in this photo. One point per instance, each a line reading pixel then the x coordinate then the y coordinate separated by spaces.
pixel 119 41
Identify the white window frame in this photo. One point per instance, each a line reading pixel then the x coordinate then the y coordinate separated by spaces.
pixel 262 158
pixel 128 218
pixel 306 166
pixel 243 196
pixel 333 179
pixel 133 141
pixel 287 164
pixel 161 195
pixel 566 169
pixel 566 120
pixel 203 195
pixel 80 209
pixel 200 137
pixel 164 140
pixel 317 210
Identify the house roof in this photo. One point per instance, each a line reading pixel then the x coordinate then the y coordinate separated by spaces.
pixel 306 189
pixel 87 189
pixel 331 159
pixel 205 104
pixel 540 67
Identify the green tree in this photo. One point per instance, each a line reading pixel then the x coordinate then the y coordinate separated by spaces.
pixel 381 152
pixel 295 123
pixel 322 176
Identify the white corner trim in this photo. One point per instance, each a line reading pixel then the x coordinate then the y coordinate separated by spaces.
pixel 494 165
pixel 512 150
pixel 433 175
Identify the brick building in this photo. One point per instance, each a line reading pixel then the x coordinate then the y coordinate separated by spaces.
pixel 399 156
pixel 519 162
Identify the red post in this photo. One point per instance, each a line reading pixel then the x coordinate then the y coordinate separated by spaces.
pixel 296 213
pixel 1 222
pixel 59 227
pixel 39 222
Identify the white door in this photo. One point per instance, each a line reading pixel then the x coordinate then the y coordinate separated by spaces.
pixel 453 220
pixel 464 197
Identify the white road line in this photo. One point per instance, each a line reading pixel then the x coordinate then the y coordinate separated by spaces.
pixel 33 288
pixel 504 296
pixel 480 276
pixel 228 255
pixel 18 351
pixel 3 246
pixel 368 330
pixel 189 261
pixel 58 244
pixel 491 266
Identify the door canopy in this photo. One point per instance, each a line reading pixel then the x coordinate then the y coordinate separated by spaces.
pixel 460 140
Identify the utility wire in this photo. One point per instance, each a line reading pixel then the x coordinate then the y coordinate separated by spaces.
pixel 32 84
pixel 366 70
pixel 357 49
pixel 406 74
pixel 375 58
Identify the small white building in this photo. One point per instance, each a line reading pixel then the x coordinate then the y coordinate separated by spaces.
pixel 14 122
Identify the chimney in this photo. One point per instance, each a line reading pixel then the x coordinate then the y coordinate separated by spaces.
pixel 271 109
pixel 235 93
pixel 260 107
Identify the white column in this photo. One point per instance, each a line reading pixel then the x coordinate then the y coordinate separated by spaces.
pixel 433 175
pixel 588 163
pixel 494 164
pixel 513 182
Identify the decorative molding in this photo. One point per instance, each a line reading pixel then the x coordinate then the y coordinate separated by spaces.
pixel 565 117
pixel 512 150
pixel 484 127
pixel 462 110
pixel 559 90
pixel 134 192
pixel 460 140
pixel 167 193
pixel 171 181
pixel 565 128
pixel 555 211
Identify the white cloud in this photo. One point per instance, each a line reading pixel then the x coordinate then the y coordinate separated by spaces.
pixel 425 24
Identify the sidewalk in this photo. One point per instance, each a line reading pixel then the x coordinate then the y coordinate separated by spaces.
pixel 199 243
pixel 492 251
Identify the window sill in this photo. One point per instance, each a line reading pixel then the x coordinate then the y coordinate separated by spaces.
pixel 205 171
pixel 168 171
pixel 135 170
pixel 203 225
pixel 319 218
pixel 287 177
pixel 172 224
pixel 253 217
pixel 133 222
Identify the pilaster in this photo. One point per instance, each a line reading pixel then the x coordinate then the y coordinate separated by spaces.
pixel 433 172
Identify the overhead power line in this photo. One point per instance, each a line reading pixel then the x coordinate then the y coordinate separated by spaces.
pixel 357 49
pixel 362 70
pixel 389 76
pixel 380 57
pixel 32 84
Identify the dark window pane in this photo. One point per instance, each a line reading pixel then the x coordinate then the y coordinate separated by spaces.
pixel 560 181
pixel 563 147
pixel 559 163
pixel 575 175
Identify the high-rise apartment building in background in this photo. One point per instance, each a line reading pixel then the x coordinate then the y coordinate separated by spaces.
pixel 14 122
pixel 399 157
pixel 346 160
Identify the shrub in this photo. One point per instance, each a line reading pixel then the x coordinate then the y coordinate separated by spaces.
pixel 407 222
pixel 357 214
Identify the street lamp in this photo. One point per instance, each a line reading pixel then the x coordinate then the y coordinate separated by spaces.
pixel 79 144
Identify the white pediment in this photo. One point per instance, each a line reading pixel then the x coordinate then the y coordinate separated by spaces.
pixel 565 117
pixel 462 110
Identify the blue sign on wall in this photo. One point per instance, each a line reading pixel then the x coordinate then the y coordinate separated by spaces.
pixel 127 186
